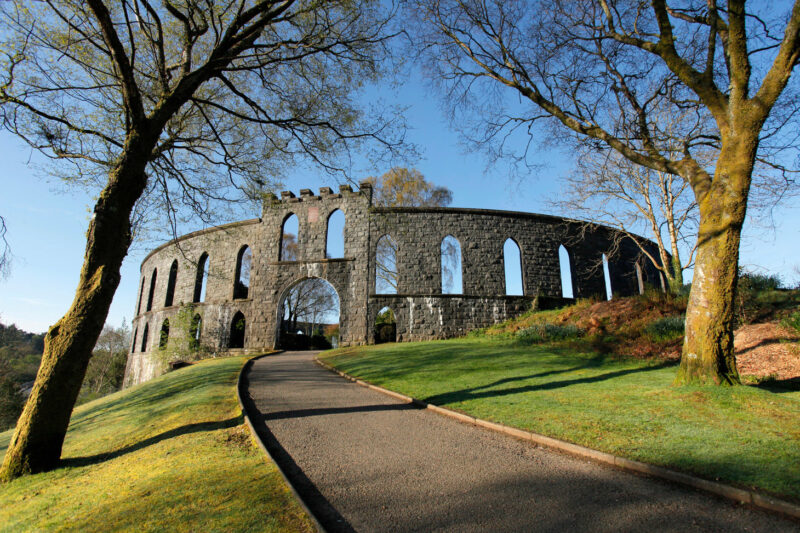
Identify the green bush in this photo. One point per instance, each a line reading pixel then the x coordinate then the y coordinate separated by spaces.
pixel 543 332
pixel 753 281
pixel 667 328
pixel 792 322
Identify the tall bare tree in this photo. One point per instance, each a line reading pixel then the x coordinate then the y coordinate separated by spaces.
pixel 598 70
pixel 5 250
pixel 186 103
pixel 608 189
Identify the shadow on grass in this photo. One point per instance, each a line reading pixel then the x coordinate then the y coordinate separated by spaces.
pixel 779 386
pixel 472 393
pixel 198 427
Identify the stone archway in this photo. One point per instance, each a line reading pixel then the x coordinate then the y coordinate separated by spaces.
pixel 308 315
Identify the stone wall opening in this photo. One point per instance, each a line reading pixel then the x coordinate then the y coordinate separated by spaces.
pixel 385 326
pixel 512 261
pixel 334 237
pixel 201 279
pixel 565 265
pixel 237 333
pixel 173 279
pixel 290 238
pixel 309 316
pixel 386 266
pixel 163 337
pixel 143 347
pixel 241 285
pixel 152 290
pixel 451 266
pixel 607 278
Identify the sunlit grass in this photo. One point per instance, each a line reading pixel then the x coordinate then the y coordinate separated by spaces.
pixel 169 455
pixel 742 435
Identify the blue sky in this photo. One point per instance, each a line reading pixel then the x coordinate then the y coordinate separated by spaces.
pixel 47 224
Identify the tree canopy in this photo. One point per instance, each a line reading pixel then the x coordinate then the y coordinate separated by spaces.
pixel 602 73
pixel 165 105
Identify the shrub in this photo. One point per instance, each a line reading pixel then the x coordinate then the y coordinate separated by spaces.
pixel 542 332
pixel 792 322
pixel 667 328
pixel 753 281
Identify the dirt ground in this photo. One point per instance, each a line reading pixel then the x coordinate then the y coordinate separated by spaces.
pixel 767 350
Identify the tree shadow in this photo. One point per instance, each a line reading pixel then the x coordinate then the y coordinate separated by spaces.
pixel 198 427
pixel 473 393
pixel 780 385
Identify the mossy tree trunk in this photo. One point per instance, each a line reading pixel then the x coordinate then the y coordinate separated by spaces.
pixel 40 431
pixel 708 356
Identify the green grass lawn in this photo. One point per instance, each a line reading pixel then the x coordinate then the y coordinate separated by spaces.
pixel 746 436
pixel 169 455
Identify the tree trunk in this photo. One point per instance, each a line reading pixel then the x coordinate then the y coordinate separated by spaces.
pixel 39 435
pixel 708 355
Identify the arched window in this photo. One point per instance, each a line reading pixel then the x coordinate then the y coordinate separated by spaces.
pixel 385 326
pixel 237 331
pixel 241 287
pixel 334 241
pixel 141 297
pixel 144 338
pixel 152 290
pixel 133 342
pixel 195 330
pixel 201 279
pixel 451 266
pixel 607 276
pixel 386 266
pixel 173 278
pixel 512 260
pixel 290 239
pixel 566 272
pixel 639 278
pixel 163 337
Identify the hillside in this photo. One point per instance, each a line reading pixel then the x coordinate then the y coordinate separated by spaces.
pixel 169 455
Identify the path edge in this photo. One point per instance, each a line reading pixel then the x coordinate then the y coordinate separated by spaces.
pixel 744 496
pixel 240 392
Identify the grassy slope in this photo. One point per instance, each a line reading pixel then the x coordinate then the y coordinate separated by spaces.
pixel 744 435
pixel 169 455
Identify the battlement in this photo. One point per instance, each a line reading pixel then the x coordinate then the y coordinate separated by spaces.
pixel 325 193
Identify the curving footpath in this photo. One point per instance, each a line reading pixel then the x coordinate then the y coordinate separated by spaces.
pixel 363 461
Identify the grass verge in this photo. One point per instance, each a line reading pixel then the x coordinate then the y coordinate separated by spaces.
pixel 745 436
pixel 172 454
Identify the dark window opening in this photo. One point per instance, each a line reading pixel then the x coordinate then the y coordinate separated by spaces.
pixel 241 287
pixel 237 331
pixel 152 290
pixel 144 338
pixel 385 326
pixel 195 330
pixel 173 278
pixel 163 338
pixel 201 279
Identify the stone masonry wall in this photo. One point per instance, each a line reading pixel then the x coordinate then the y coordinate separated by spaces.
pixel 422 311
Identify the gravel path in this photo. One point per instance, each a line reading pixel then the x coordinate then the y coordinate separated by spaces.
pixel 366 462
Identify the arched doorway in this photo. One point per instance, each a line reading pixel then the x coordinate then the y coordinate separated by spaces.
pixel 385 326
pixel 308 316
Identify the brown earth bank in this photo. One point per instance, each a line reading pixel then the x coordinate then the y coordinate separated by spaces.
pixel 765 349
